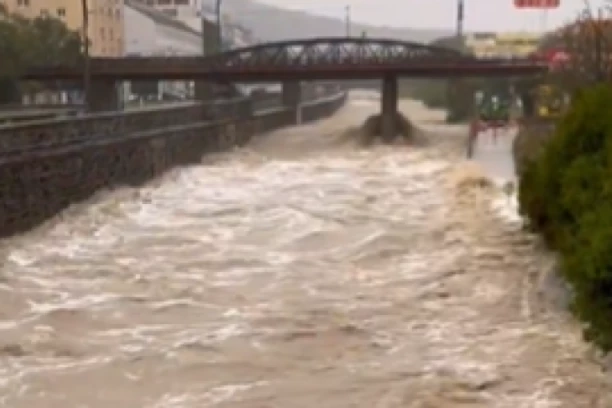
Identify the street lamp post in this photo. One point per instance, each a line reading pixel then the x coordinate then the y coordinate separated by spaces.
pixel 219 30
pixel 86 68
pixel 347 20
pixel 453 88
pixel 460 11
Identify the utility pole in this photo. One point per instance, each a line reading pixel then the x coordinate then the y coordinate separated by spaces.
pixel 347 20
pixel 460 15
pixel 87 62
pixel 219 28
pixel 453 90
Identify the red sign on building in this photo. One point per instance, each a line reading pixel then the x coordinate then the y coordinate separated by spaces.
pixel 537 4
pixel 556 58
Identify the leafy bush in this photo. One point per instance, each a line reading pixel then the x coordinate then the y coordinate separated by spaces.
pixel 566 194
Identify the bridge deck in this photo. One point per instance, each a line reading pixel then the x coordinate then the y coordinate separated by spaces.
pixel 313 59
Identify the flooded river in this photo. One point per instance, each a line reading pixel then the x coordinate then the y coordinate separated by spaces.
pixel 299 272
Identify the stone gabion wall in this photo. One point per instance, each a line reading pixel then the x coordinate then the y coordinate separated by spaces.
pixel 47 166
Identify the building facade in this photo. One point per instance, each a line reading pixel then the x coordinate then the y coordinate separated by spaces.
pixel 519 44
pixel 106 20
pixel 504 45
pixel 176 8
pixel 150 32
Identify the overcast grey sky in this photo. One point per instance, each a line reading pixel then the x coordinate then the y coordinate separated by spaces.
pixel 493 15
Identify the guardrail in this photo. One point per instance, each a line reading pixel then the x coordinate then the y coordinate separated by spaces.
pixel 26 115
pixel 210 131
pixel 42 135
pixel 50 133
pixel 17 114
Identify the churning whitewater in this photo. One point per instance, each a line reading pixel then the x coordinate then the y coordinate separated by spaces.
pixel 300 271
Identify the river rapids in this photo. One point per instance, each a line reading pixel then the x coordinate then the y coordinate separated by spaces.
pixel 300 271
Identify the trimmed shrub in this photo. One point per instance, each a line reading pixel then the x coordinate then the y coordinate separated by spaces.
pixel 566 195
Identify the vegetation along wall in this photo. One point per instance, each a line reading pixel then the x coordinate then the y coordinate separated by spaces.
pixel 566 195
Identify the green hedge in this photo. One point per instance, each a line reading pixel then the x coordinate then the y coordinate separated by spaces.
pixel 566 194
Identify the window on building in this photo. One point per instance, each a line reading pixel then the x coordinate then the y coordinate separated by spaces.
pixel 164 2
pixel 44 13
pixel 23 3
pixel 181 2
pixel 118 14
pixel 102 33
pixel 61 12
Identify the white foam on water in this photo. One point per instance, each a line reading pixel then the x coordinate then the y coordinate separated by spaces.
pixel 301 270
pixel 506 203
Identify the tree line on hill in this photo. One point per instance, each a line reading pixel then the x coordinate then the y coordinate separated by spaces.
pixel 24 42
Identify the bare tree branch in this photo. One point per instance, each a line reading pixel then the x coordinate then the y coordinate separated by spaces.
pixel 588 41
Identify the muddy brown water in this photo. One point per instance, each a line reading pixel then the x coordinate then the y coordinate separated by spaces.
pixel 300 271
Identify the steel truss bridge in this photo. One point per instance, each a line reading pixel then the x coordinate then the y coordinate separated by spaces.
pixel 334 58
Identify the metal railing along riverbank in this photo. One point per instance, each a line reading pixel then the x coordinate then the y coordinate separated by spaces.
pixel 41 135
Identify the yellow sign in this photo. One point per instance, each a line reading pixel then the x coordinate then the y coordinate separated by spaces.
pixel 503 45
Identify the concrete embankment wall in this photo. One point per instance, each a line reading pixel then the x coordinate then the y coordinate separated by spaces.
pixel 46 167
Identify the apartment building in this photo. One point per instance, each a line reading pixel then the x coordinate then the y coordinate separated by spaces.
pixel 106 20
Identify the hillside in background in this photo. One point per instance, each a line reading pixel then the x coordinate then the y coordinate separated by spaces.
pixel 247 21
pixel 269 23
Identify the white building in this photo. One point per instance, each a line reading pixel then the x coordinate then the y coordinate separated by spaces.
pixel 174 28
pixel 188 12
pixel 176 8
pixel 151 32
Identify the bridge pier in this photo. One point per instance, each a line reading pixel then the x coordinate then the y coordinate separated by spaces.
pixel 103 96
pixel 389 114
pixel 292 98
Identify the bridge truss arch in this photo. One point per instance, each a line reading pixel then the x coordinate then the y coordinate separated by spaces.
pixel 332 51
pixel 326 58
